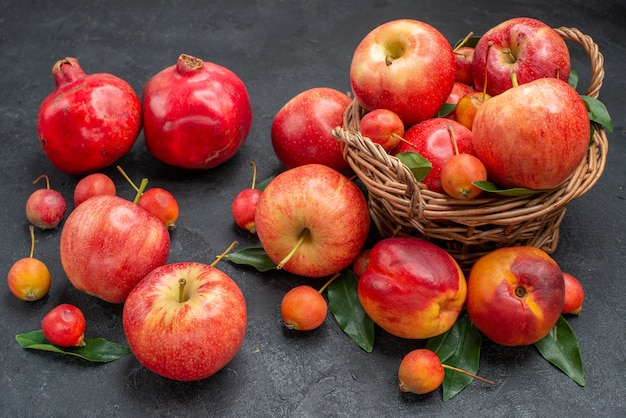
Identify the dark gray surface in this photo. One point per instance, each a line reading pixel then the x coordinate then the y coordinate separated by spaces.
pixel 280 48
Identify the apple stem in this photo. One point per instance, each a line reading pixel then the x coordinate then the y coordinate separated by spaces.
pixel 253 174
pixel 509 55
pixel 44 177
pixel 482 379
pixel 453 138
pixel 133 185
pixel 303 235
pixel 332 279
pixel 31 229
pixel 181 290
pixel 463 42
pixel 140 190
pixel 514 79
pixel 226 251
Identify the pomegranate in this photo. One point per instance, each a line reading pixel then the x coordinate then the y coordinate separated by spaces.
pixel 89 121
pixel 196 114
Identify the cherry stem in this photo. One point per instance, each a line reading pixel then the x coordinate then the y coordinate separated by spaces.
pixel 43 176
pixel 453 138
pixel 332 279
pixel 31 229
pixel 181 290
pixel 482 379
pixel 514 79
pixel 489 45
pixel 253 174
pixel 226 251
pixel 395 135
pixel 133 185
pixel 464 41
pixel 303 235
pixel 140 190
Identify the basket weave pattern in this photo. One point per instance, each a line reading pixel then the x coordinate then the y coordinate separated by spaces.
pixel 399 205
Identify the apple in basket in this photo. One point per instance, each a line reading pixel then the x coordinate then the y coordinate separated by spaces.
pixel 525 46
pixel 406 66
pixel 533 136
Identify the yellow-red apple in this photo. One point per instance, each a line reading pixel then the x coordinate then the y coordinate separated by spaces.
pixel 515 295
pixel 185 321
pixel 412 288
pixel 312 220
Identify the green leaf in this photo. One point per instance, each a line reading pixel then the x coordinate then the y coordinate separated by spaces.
pixel 492 188
pixel 471 41
pixel 345 306
pixel 95 349
pixel 573 79
pixel 458 347
pixel 446 109
pixel 252 256
pixel 262 185
pixel 419 166
pixel 560 347
pixel 598 112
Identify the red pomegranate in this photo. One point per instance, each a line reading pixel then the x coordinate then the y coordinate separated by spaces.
pixel 89 121
pixel 196 114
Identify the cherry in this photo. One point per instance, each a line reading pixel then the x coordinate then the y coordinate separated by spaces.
pixel 45 208
pixel 64 326
pixel 95 184
pixel 29 278
pixel 459 173
pixel 574 295
pixel 360 263
pixel 422 372
pixel 245 203
pixel 383 127
pixel 303 308
pixel 157 201
pixel 162 204
pixel 469 104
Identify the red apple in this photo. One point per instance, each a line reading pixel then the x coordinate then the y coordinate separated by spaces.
pixel 312 221
pixel 532 136
pixel 383 127
pixel 108 244
pixel 301 129
pixel 527 47
pixel 432 139
pixel 185 321
pixel 412 288
pixel 463 58
pixel 406 66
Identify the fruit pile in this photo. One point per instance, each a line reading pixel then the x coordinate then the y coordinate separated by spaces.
pixel 453 113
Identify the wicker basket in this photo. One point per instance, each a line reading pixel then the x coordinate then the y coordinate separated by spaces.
pixel 400 205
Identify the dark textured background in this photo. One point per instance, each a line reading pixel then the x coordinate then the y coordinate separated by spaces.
pixel 280 48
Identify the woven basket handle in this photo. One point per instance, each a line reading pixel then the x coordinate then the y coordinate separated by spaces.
pixel 596 57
